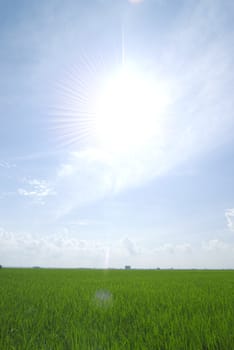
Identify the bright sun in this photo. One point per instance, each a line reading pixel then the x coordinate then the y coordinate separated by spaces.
pixel 128 112
pixel 121 113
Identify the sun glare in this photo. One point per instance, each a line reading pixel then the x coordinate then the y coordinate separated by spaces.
pixel 119 113
pixel 128 112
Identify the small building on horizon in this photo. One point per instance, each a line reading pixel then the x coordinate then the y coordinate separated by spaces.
pixel 127 267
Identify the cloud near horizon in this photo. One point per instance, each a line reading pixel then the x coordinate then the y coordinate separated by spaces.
pixel 65 249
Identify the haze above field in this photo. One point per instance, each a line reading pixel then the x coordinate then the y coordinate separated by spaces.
pixel 116 138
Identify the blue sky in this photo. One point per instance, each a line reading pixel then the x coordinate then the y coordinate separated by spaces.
pixel 69 201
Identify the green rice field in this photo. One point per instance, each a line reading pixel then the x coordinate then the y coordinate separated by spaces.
pixel 69 309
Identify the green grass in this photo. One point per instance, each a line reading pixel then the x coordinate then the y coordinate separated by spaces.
pixel 100 310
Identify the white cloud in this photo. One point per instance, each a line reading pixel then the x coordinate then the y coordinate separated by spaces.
pixel 215 245
pixel 23 249
pixel 174 248
pixel 130 246
pixel 7 165
pixel 167 247
pixel 135 1
pixel 62 250
pixel 38 190
pixel 66 249
pixel 229 214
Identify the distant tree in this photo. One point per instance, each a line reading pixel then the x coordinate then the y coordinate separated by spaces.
pixel 0 266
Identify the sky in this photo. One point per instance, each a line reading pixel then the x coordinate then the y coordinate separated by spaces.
pixel 116 133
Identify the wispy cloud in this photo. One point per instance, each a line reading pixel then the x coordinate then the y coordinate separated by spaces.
pixel 37 190
pixel 229 214
pixel 135 1
pixel 6 165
